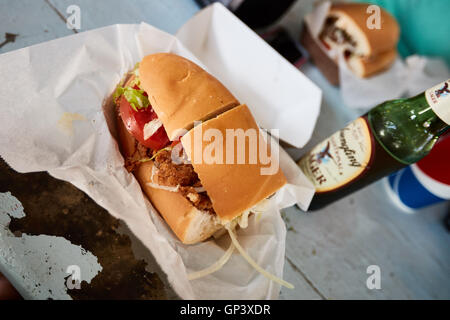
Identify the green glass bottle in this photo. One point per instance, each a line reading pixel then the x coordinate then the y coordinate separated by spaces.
pixel 390 136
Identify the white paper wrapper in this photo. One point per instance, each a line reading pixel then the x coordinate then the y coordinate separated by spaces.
pixel 278 95
pixel 52 96
pixel 400 79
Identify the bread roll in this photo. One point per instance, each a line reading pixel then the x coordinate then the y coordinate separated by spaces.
pixel 352 17
pixel 368 66
pixel 189 224
pixel 181 92
pixel 233 188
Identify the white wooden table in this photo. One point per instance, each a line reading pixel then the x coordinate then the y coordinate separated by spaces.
pixel 328 251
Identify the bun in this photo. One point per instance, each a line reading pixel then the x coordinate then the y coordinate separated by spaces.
pixel 369 42
pixel 188 223
pixel 366 67
pixel 233 188
pixel 181 92
pixel 367 51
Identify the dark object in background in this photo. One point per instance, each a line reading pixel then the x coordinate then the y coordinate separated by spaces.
pixel 259 14
pixel 7 291
pixel 256 14
pixel 204 3
pixel 290 49
pixel 327 66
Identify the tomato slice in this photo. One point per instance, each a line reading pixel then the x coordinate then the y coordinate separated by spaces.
pixel 135 121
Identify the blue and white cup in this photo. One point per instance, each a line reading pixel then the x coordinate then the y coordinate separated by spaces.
pixel 412 189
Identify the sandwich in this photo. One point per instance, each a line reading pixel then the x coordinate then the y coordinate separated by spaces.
pixel 367 49
pixel 163 106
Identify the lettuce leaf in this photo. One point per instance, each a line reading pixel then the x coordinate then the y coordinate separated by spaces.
pixel 135 82
pixel 135 97
pixel 118 93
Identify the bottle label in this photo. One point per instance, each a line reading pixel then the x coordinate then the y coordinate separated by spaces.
pixel 339 159
pixel 438 98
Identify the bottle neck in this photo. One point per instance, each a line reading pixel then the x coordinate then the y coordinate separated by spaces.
pixel 406 128
pixel 422 114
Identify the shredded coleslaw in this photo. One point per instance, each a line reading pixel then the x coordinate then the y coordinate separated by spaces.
pixel 215 266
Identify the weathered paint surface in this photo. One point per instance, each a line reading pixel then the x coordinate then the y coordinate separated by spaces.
pixel 40 262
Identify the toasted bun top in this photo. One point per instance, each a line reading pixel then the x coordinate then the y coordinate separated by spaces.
pixel 181 92
pixel 353 18
pixel 234 187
